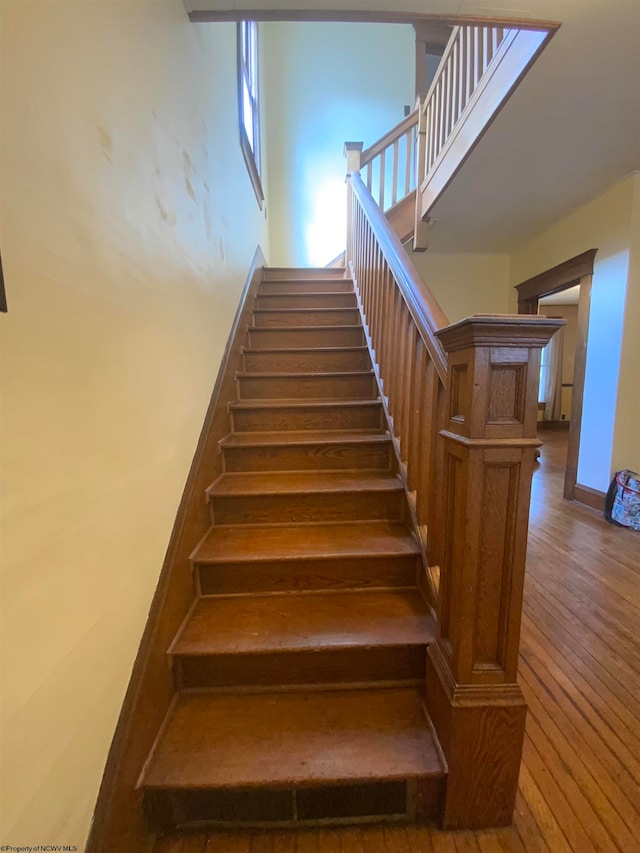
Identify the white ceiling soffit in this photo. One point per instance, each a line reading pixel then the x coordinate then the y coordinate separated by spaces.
pixel 570 296
pixel 569 132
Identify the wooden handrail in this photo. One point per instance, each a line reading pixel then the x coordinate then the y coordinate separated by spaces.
pixel 407 123
pixel 461 402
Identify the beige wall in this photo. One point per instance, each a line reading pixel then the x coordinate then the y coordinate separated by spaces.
pixel 626 445
pixel 466 284
pixel 325 84
pixel 604 223
pixel 128 226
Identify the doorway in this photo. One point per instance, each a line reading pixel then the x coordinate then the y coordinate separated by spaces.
pixel 538 295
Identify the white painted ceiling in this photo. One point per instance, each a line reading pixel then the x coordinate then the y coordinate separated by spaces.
pixel 569 132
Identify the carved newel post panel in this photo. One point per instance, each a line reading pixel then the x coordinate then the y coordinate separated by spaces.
pixel 489 443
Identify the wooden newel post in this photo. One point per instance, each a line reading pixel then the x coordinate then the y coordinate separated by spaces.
pixel 353 152
pixel 489 444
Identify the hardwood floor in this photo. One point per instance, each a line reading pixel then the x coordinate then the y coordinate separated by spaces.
pixel 580 673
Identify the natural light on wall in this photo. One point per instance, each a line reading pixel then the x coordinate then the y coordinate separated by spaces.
pixel 326 223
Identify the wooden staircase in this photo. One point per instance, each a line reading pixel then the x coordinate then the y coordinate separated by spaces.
pixel 300 668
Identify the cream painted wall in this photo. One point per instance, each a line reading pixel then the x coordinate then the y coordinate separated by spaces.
pixel 128 227
pixel 626 445
pixel 604 223
pixel 325 84
pixel 465 284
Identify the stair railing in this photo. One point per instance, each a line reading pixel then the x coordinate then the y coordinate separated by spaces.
pixel 462 405
pixel 410 166
pixel 480 68
pixel 389 166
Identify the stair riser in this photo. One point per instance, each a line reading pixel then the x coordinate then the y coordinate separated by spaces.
pixel 311 457
pixel 349 387
pixel 265 338
pixel 297 575
pixel 333 666
pixel 311 418
pixel 317 317
pixel 303 274
pixel 318 506
pixel 310 286
pixel 306 300
pixel 307 361
pixel 399 801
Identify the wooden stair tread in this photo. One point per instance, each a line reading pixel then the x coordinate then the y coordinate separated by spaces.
pixel 296 622
pixel 213 741
pixel 303 482
pixel 337 436
pixel 259 350
pixel 310 292
pixel 321 327
pixel 303 274
pixel 289 374
pixel 231 543
pixel 297 402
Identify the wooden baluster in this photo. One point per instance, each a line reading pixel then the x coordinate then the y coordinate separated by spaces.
pixel 380 313
pixel 397 361
pixel 369 169
pixel 414 449
pixel 429 430
pixel 462 80
pixel 388 327
pixel 401 359
pixel 409 356
pixel 471 61
pixel 407 163
pixel 446 92
pixel 394 179
pixel 486 47
pixel 441 114
pixel 374 297
pixel 408 398
pixel 368 253
pixel 397 358
pixel 366 280
pixel 455 85
pixel 358 243
pixel 495 40
pixel 489 440
pixel 382 179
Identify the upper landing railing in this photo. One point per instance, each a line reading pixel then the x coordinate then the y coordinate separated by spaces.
pixel 412 165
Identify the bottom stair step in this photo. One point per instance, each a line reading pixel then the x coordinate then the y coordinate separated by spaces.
pixel 271 749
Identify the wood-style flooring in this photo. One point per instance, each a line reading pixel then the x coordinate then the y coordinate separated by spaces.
pixel 580 673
